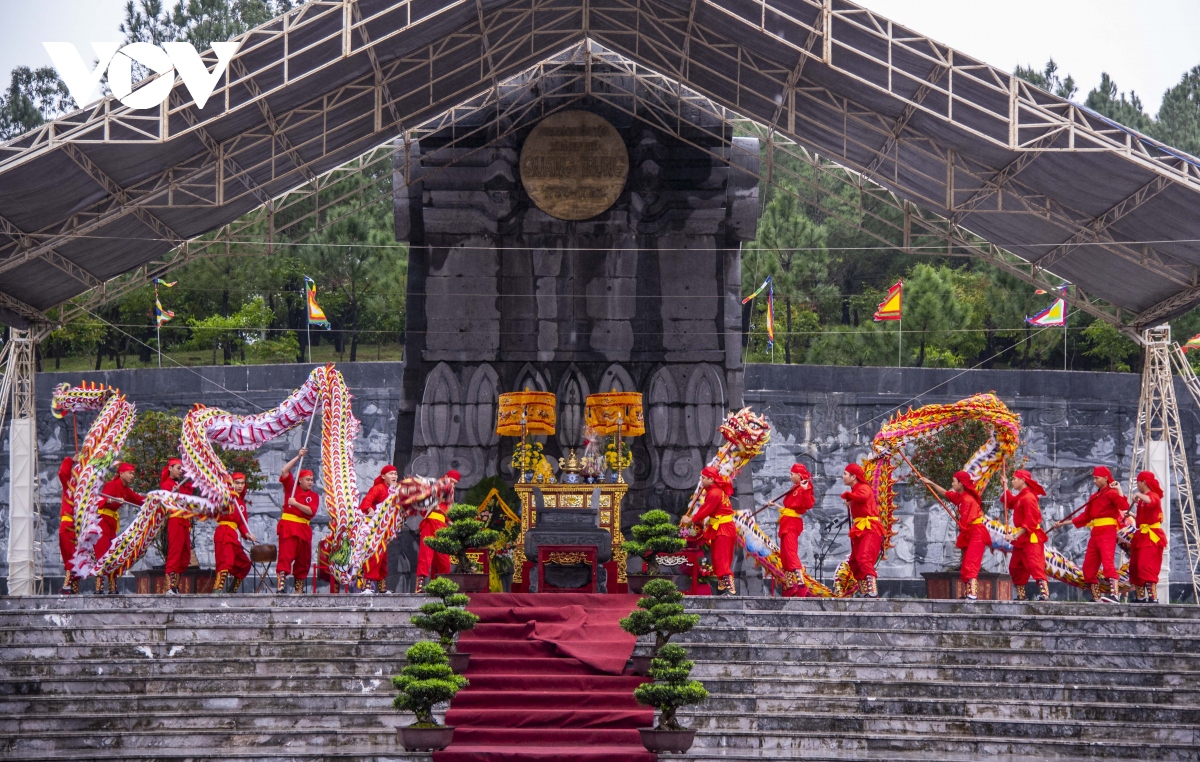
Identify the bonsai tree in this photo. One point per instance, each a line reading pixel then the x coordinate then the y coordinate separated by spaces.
pixel 447 617
pixel 426 680
pixel 660 611
pixel 671 688
pixel 465 532
pixel 656 534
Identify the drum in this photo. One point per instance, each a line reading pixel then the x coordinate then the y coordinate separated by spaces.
pixel 264 554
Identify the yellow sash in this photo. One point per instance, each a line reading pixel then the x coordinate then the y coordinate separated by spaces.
pixel 110 513
pixel 717 521
pixel 231 524
pixel 789 513
pixel 436 516
pixel 66 520
pixel 865 522
pixel 1105 522
pixel 295 518
pixel 1149 529
pixel 976 521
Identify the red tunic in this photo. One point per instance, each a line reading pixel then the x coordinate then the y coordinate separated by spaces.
pixel 66 521
pixel 429 561
pixel 1103 516
pixel 179 530
pixel 376 567
pixel 973 536
pixel 866 530
pixel 295 529
pixel 721 534
pixel 796 503
pixel 1025 515
pixel 1149 542
pixel 110 520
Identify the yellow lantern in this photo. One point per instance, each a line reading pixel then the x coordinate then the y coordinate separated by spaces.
pixel 616 413
pixel 522 413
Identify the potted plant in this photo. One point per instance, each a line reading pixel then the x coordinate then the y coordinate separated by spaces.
pixel 657 533
pixel 426 680
pixel 670 690
pixel 446 618
pixel 465 532
pixel 659 611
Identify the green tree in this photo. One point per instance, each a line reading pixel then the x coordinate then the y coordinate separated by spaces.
pixel 1178 123
pixel 33 97
pixel 1105 99
pixel 425 681
pixel 655 533
pixel 1048 79
pixel 445 617
pixel 659 611
pixel 1110 346
pixel 671 687
pixel 932 308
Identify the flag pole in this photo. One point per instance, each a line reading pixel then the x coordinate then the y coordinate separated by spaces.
pixel 900 336
pixel 157 324
pixel 307 320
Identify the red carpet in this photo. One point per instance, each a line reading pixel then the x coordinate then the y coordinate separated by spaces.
pixel 547 682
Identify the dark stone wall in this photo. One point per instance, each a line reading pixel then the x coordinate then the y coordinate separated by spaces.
pixel 503 297
pixel 822 415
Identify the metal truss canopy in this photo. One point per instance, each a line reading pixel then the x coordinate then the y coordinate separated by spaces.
pixel 106 191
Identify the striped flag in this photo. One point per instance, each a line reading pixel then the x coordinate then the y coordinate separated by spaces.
pixel 1053 316
pixel 160 314
pixel 770 313
pixel 759 291
pixel 316 315
pixel 890 307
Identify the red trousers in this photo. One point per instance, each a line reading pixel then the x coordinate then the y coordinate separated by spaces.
pixel 429 561
pixel 295 549
pixel 108 532
pixel 179 545
pixel 230 555
pixel 1145 562
pixel 864 552
pixel 790 530
pixel 1101 549
pixel 973 541
pixel 375 569
pixel 1028 561
pixel 66 544
pixel 722 554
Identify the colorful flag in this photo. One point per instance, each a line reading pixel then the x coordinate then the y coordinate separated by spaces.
pixel 170 284
pixel 1054 315
pixel 759 291
pixel 770 314
pixel 889 308
pixel 1192 343
pixel 316 315
pixel 160 314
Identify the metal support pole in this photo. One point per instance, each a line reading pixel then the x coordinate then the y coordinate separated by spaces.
pixel 1158 445
pixel 24 524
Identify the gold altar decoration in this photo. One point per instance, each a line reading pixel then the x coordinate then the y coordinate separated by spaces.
pixel 574 165
pixel 566 559
pixel 616 412
pixel 572 496
pixel 521 413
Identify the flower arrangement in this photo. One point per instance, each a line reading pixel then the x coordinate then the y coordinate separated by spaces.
pixel 530 458
pixel 617 462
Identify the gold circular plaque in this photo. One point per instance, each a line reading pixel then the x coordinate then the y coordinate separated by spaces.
pixel 574 165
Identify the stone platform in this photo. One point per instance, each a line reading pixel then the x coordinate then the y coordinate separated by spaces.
pixel 306 678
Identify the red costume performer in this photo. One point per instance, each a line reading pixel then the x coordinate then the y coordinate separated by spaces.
pixel 866 530
pixel 1102 514
pixel 1028 559
pixel 973 536
pixel 1146 548
pixel 231 558
pixel 429 561
pixel 295 530
pixel 66 530
pixel 720 533
pixel 796 503
pixel 375 569
pixel 116 490
pixel 179 526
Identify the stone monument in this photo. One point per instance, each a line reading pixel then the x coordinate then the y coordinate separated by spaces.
pixel 581 252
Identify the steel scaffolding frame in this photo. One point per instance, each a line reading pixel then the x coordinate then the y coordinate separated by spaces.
pixel 751 57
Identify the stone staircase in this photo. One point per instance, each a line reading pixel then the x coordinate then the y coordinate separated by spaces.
pixel 306 678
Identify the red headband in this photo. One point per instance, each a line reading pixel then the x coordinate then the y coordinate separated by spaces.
pixel 455 475
pixel 799 468
pixel 305 472
pixel 1151 481
pixel 713 473
pixel 858 472
pixel 1102 471
pixel 968 484
pixel 237 475
pixel 1027 477
pixel 125 467
pixel 388 469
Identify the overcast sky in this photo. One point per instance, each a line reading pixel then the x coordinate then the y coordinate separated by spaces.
pixel 1145 45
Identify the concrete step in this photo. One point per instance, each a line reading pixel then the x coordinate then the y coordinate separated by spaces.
pixel 281 740
pixel 347 753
